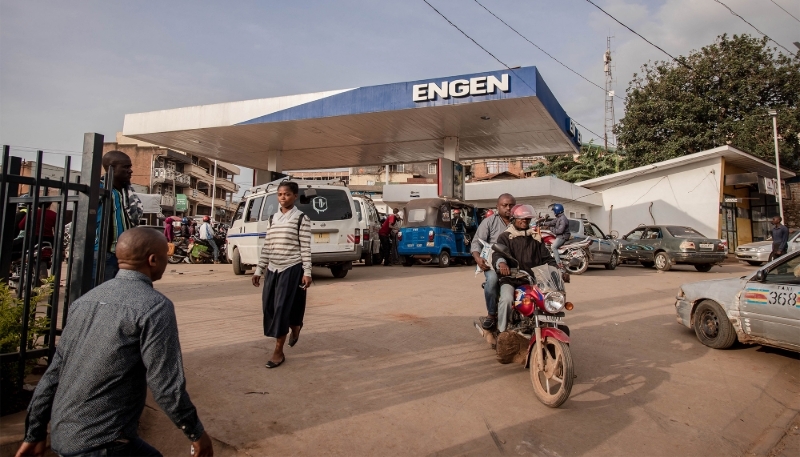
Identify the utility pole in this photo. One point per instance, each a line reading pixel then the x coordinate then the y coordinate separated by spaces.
pixel 774 114
pixel 609 99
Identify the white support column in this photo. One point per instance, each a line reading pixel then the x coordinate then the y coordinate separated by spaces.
pixel 274 161
pixel 451 148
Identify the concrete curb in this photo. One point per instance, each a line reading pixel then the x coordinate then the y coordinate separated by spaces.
pixel 773 434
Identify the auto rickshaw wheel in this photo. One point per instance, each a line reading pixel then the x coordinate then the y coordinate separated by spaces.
pixel 444 259
pixel 407 261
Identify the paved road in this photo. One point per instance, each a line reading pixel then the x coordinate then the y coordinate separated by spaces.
pixel 389 364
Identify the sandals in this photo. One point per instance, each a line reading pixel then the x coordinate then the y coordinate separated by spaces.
pixel 293 339
pixel 271 364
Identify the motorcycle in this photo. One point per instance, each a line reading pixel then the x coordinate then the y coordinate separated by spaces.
pixel 537 315
pixel 574 253
pixel 43 259
pixel 180 251
pixel 199 251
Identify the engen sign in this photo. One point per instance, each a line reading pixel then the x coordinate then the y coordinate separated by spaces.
pixel 479 85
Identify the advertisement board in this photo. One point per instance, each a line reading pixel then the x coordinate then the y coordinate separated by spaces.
pixel 451 179
pixel 181 202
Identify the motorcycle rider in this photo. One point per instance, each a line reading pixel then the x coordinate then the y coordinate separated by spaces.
pixel 488 231
pixel 207 235
pixel 560 229
pixel 526 249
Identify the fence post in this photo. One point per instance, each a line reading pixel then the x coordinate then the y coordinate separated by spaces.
pixel 11 166
pixel 85 229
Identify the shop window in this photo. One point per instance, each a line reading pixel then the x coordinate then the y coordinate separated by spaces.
pixel 496 167
pixel 397 168
pixel 431 168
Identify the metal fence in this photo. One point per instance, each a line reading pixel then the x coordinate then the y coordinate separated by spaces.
pixel 27 257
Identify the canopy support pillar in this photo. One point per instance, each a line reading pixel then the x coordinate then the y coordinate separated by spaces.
pixel 451 148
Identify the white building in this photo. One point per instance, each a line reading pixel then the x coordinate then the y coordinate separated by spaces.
pixel 717 192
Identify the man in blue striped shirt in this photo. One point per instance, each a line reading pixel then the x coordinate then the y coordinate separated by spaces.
pixel 125 213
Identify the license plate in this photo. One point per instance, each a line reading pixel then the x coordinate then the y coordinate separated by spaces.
pixel 706 246
pixel 322 237
pixel 547 318
pixel 429 244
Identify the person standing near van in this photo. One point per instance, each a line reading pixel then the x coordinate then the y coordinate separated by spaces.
pixel 286 259
pixel 385 234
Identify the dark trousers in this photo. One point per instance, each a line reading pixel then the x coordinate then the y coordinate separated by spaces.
pixel 133 448
pixel 777 253
pixel 386 249
pixel 284 302
pixel 111 268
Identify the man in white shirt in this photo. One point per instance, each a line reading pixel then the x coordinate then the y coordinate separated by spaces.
pixel 207 234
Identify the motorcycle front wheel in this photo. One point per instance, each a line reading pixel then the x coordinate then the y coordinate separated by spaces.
pixel 553 384
pixel 173 259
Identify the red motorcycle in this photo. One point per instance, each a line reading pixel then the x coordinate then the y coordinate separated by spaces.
pixel 538 315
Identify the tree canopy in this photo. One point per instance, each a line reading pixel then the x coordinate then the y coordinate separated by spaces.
pixel 593 162
pixel 720 96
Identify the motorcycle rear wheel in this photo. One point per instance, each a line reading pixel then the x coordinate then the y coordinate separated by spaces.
pixel 553 384
pixel 174 259
pixel 581 268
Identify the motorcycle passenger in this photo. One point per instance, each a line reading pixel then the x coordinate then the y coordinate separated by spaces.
pixel 525 249
pixel 169 229
pixel 207 234
pixel 185 228
pixel 560 229
pixel 489 230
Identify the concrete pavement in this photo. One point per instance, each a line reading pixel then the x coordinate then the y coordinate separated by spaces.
pixel 388 363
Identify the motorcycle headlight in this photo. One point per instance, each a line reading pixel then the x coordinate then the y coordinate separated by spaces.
pixel 554 302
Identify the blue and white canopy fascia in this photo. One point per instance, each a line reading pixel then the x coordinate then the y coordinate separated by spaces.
pixel 495 114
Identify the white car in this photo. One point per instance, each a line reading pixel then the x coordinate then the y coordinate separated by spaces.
pixel 760 308
pixel 369 222
pixel 335 233
pixel 759 252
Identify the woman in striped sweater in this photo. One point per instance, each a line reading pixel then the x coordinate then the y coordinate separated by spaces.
pixel 286 258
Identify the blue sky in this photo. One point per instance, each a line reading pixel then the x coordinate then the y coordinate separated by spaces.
pixel 72 67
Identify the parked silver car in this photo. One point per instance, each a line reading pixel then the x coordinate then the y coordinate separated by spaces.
pixel 761 308
pixel 604 249
pixel 759 252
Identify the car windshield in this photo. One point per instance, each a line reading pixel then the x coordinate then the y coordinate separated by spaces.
pixel 328 205
pixel 684 232
pixel 574 226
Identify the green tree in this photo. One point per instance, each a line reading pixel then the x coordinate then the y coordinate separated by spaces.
pixel 593 162
pixel 722 98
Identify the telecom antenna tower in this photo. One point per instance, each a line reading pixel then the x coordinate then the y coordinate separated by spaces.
pixel 609 117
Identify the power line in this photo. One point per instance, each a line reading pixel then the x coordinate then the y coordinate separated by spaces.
pixel 681 62
pixel 545 52
pixel 64 152
pixel 493 56
pixel 753 26
pixel 784 9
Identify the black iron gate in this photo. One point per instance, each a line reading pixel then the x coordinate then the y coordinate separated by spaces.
pixel 28 257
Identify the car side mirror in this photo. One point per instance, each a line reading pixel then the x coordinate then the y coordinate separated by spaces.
pixel 761 276
pixel 308 194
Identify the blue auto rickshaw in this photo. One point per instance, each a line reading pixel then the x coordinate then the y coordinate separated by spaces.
pixel 438 230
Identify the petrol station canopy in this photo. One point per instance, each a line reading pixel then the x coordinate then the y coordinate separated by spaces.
pixel 495 114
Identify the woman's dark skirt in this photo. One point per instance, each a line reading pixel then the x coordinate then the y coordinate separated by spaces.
pixel 284 302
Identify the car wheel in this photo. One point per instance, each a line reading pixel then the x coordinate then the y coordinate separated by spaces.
pixel 648 264
pixel 338 271
pixel 662 262
pixel 369 259
pixel 755 263
pixel 444 259
pixel 712 327
pixel 705 267
pixel 612 264
pixel 237 263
